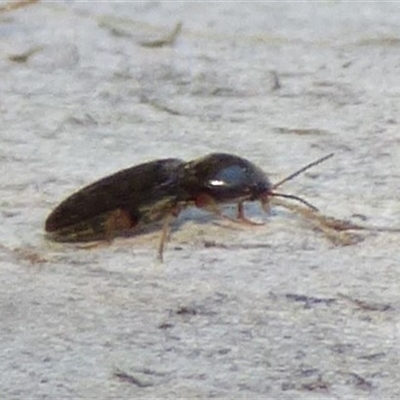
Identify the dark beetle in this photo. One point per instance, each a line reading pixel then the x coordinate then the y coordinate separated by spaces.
pixel 157 191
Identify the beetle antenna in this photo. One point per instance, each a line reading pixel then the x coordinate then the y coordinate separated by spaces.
pixel 301 170
pixel 291 176
pixel 299 199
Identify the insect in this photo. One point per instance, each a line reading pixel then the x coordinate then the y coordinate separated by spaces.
pixel 157 191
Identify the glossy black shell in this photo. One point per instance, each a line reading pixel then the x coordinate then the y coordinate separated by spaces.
pixel 226 178
pixel 133 190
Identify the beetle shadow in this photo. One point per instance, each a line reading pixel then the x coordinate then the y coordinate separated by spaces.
pixel 253 211
pixel 203 217
pixel 189 215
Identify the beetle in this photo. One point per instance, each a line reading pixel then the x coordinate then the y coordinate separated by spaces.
pixel 157 191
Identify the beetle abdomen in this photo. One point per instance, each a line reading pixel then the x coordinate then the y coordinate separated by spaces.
pixel 100 227
pixel 115 203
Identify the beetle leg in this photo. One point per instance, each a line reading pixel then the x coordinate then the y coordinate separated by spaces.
pixel 166 230
pixel 242 218
pixel 333 229
pixel 208 203
pixel 266 205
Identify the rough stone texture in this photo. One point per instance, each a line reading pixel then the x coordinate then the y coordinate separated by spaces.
pixel 265 312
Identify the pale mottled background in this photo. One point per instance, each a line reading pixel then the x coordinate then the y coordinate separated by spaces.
pixel 270 312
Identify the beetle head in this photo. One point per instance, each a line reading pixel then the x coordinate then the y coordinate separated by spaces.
pixel 227 178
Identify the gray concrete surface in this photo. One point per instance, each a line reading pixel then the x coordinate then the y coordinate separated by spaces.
pixel 267 312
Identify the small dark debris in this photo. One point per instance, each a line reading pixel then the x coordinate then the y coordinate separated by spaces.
pixel 24 57
pixel 123 376
pixel 373 357
pixel 342 348
pixel 213 243
pixel 367 306
pixel 165 325
pixel 82 120
pixel 309 301
pixel 186 311
pixel 9 214
pixel 318 385
pixel 242 246
pixel 361 217
pixel 276 84
pixel 159 106
pixel 359 382
pixel 301 131
pixel 306 372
